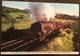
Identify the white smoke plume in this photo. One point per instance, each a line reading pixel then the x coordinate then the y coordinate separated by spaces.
pixel 42 11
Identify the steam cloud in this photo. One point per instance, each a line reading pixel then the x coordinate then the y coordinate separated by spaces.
pixel 41 11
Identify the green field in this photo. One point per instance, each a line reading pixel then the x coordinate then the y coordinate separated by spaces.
pixel 61 20
pixel 17 26
pixel 19 18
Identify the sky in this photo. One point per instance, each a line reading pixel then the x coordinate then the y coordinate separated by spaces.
pixel 70 9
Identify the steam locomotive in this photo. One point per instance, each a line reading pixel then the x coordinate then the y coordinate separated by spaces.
pixel 44 28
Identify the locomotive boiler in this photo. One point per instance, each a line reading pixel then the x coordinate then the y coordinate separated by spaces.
pixel 44 28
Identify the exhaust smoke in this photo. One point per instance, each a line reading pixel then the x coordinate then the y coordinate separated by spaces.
pixel 41 11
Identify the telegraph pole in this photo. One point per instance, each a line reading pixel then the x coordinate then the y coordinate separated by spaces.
pixel 12 22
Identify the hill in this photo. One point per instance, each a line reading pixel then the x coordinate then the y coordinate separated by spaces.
pixel 65 16
pixel 13 17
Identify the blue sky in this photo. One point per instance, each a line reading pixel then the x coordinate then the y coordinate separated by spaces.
pixel 71 9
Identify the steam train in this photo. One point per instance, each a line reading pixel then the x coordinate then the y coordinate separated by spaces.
pixel 44 28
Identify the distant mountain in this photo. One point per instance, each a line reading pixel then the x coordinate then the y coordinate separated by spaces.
pixel 65 16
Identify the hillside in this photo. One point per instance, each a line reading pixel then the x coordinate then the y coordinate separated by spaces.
pixel 13 17
pixel 67 40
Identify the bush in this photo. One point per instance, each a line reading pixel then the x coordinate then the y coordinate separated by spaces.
pixel 75 28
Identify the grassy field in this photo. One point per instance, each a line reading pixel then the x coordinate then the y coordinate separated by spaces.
pixel 61 20
pixel 23 25
pixel 17 26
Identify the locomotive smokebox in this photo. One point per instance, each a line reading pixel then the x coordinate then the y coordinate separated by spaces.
pixel 41 28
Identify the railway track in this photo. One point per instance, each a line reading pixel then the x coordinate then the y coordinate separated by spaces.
pixel 16 43
pixel 12 41
pixel 20 44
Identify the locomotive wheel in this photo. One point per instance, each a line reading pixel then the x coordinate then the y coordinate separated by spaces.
pixel 38 36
